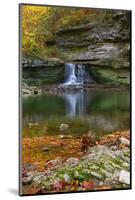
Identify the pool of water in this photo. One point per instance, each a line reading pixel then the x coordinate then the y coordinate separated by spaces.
pixel 101 111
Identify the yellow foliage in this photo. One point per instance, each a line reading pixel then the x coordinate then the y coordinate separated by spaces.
pixel 41 23
pixel 32 37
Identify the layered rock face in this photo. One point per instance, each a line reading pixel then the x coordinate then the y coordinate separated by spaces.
pixel 40 71
pixel 104 43
pixel 103 46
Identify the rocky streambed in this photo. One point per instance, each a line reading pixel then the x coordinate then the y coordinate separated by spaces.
pixel 103 165
pixel 56 89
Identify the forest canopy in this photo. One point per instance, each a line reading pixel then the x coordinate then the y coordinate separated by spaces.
pixel 40 24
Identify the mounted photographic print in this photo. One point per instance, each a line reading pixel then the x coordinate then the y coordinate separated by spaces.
pixel 75 99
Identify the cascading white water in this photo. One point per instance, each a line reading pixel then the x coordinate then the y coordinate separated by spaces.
pixel 83 75
pixel 70 74
pixel 76 74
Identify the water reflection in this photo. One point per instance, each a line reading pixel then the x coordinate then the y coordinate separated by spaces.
pixel 75 104
pixel 103 110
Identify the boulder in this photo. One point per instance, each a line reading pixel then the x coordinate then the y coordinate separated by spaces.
pixel 45 149
pixel 72 161
pixel 124 141
pixel 52 164
pixel 26 91
pixel 124 177
pixel 27 180
pixel 65 136
pixel 63 127
pixel 114 148
pixel 67 178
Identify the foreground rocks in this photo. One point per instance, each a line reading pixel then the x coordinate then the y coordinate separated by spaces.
pixel 30 90
pixel 105 165
pixel 56 89
pixel 60 89
pixel 101 165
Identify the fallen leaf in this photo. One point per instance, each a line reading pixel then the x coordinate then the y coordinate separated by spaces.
pixel 88 185
pixel 58 186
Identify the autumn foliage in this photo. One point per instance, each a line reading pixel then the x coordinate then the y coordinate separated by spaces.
pixel 41 23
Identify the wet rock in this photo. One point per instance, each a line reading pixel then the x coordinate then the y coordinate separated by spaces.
pixel 39 178
pixel 126 165
pixel 113 148
pixel 26 91
pixel 45 149
pixel 89 157
pixel 30 174
pixel 124 141
pixel 125 158
pixel 113 179
pixel 117 153
pixel 63 127
pixel 96 174
pixel 32 124
pixel 101 150
pixel 124 177
pixel 108 167
pixel 62 136
pixel 52 164
pixel 67 178
pixel 72 161
pixel 106 173
pixel 30 90
pixel 29 167
pixel 27 180
pixel 65 136
pixel 101 183
pixel 28 177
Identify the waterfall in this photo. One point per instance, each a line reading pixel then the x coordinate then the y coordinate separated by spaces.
pixel 76 74
pixel 70 74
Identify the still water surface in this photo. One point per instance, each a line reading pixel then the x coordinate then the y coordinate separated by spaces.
pixel 101 111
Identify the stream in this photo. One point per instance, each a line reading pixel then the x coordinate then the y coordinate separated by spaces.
pixel 102 111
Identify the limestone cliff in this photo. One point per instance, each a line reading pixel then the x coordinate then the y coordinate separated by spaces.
pixel 103 46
